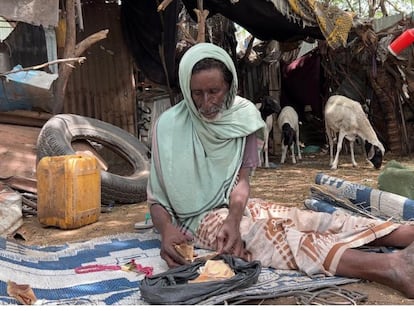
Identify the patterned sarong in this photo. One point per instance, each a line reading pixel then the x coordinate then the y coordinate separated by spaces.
pixel 293 238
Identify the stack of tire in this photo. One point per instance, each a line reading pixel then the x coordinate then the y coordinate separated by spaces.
pixel 58 133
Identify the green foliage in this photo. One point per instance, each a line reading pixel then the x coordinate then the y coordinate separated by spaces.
pixel 374 8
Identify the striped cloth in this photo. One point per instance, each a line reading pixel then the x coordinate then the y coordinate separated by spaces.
pixel 292 238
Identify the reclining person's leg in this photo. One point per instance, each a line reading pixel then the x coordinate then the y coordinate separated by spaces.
pixel 395 269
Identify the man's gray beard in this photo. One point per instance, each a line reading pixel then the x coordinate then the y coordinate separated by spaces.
pixel 219 114
pixel 216 118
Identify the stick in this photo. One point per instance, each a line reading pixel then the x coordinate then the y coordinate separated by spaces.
pixel 73 59
pixel 164 5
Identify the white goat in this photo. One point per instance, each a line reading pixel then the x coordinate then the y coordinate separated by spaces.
pixel 288 122
pixel 267 108
pixel 346 117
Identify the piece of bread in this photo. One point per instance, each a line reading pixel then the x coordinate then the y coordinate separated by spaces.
pixel 186 250
pixel 22 292
pixel 214 270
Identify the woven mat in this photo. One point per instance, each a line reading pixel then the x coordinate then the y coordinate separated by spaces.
pixel 382 204
pixel 50 272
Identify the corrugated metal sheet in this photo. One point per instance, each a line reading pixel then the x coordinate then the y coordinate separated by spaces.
pixel 258 80
pixel 102 87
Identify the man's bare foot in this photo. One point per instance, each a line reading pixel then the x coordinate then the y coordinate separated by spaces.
pixel 403 275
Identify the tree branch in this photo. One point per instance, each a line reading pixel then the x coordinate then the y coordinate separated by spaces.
pixel 71 50
pixel 86 43
pixel 164 5
pixel 74 59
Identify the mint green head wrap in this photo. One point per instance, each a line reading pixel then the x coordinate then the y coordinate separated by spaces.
pixel 194 55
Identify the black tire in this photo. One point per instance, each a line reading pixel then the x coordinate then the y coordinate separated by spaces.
pixel 58 133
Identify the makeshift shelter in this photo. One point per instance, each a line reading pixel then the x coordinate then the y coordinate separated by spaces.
pixel 134 67
pixel 360 67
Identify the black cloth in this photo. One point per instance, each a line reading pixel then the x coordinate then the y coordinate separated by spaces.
pixel 146 31
pixel 172 287
pixel 259 17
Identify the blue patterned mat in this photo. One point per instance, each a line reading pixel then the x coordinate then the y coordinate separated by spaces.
pixel 379 203
pixel 50 272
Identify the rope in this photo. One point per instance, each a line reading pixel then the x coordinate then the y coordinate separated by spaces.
pixel 330 296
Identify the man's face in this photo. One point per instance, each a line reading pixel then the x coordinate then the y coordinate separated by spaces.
pixel 209 92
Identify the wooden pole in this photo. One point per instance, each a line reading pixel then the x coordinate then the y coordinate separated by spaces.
pixel 72 50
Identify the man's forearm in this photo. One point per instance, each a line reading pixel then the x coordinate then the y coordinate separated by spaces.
pixel 239 196
pixel 160 217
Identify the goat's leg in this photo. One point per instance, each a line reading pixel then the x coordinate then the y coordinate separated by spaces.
pixel 260 146
pixel 331 145
pixel 341 136
pixel 268 128
pixel 292 149
pixel 330 142
pixel 260 157
pixel 266 148
pixel 351 148
pixel 298 144
pixel 266 157
pixel 284 150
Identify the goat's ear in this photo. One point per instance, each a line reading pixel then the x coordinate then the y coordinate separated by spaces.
pixel 370 150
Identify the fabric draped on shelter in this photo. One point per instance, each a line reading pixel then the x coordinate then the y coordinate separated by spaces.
pixel 151 37
pixel 301 85
pixel 334 23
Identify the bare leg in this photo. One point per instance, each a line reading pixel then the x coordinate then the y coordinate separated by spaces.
pixel 395 270
pixel 392 269
pixel 400 237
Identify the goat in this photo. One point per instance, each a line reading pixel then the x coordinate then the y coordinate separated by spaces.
pixel 288 122
pixel 346 117
pixel 267 108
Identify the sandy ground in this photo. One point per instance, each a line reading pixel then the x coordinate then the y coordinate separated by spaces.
pixel 286 184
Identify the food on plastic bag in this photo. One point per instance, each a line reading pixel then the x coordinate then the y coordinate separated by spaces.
pixel 174 287
pixel 213 270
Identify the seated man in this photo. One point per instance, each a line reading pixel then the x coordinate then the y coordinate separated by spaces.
pixel 203 150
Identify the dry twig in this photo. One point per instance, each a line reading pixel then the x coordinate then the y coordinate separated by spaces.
pixel 65 60
pixel 163 5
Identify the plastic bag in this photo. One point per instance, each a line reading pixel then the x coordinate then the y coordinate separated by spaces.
pixel 172 287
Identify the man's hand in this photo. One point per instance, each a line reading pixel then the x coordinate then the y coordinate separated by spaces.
pixel 172 236
pixel 229 240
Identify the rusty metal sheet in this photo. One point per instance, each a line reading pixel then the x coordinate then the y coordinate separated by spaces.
pixel 21 183
pixel 35 12
pixel 18 156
